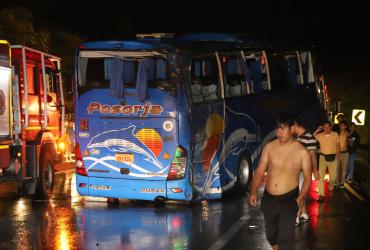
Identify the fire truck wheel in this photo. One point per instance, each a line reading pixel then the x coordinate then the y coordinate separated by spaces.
pixel 45 184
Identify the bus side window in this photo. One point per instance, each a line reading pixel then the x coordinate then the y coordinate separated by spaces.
pixel 264 72
pixel 236 77
pixel 307 67
pixel 256 85
pixel 293 70
pixel 205 84
pixel 210 80
pixel 279 73
pixel 258 72
pixel 196 86
pixel 196 91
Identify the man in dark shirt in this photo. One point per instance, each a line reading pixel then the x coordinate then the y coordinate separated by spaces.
pixel 310 143
pixel 354 141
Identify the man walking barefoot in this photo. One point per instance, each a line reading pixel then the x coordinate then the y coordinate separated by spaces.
pixel 283 159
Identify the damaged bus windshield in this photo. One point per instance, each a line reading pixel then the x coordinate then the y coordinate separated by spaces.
pixel 113 70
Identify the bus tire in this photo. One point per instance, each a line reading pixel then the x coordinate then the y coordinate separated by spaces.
pixel 45 184
pixel 245 172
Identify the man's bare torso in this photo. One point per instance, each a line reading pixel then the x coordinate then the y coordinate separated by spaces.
pixel 284 166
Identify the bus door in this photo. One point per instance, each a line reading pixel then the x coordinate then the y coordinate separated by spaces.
pixel 207 123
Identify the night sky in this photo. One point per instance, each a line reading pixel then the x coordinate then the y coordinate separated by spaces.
pixel 338 29
pixel 331 24
pixel 333 28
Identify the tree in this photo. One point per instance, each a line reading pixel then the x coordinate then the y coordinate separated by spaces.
pixel 64 43
pixel 17 26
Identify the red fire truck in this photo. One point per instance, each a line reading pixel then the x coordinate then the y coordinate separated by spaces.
pixel 31 118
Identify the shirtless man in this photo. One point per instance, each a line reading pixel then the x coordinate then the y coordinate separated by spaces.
pixel 283 159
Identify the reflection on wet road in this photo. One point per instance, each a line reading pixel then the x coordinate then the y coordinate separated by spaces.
pixel 134 228
pixel 65 224
pixel 142 225
pixel 73 223
pixel 31 225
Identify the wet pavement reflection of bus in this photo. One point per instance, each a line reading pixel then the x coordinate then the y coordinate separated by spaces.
pixel 74 223
pixel 134 228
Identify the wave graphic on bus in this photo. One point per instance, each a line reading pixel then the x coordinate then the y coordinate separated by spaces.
pixel 143 172
pixel 235 143
pixel 112 140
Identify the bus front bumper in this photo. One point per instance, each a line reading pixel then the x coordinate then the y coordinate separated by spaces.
pixel 133 189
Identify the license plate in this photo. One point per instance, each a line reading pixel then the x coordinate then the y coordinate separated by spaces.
pixel 100 187
pixel 125 158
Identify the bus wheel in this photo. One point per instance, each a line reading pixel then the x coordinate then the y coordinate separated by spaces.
pixel 45 184
pixel 245 172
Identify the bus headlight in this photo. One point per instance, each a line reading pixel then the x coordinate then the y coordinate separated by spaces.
pixel 178 165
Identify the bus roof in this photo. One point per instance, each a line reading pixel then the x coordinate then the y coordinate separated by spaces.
pixel 193 41
pixel 210 37
pixel 151 44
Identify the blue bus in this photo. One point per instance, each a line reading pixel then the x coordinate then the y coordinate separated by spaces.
pixel 185 117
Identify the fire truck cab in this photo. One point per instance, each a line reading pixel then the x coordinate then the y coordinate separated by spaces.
pixel 36 121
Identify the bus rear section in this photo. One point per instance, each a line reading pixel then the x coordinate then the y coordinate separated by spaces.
pixel 128 142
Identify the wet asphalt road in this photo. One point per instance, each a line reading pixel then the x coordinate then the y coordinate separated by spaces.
pixel 69 222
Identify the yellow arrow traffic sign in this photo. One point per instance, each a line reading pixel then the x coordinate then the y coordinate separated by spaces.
pixel 358 116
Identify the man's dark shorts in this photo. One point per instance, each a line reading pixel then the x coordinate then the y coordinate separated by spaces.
pixel 280 212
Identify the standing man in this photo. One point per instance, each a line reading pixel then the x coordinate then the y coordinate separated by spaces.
pixel 310 143
pixel 343 157
pixel 329 147
pixel 335 127
pixel 70 140
pixel 283 159
pixel 354 141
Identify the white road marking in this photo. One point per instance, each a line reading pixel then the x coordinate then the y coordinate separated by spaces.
pixel 349 188
pixel 347 197
pixel 226 237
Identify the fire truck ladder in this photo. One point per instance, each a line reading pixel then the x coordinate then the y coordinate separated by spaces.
pixel 51 58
